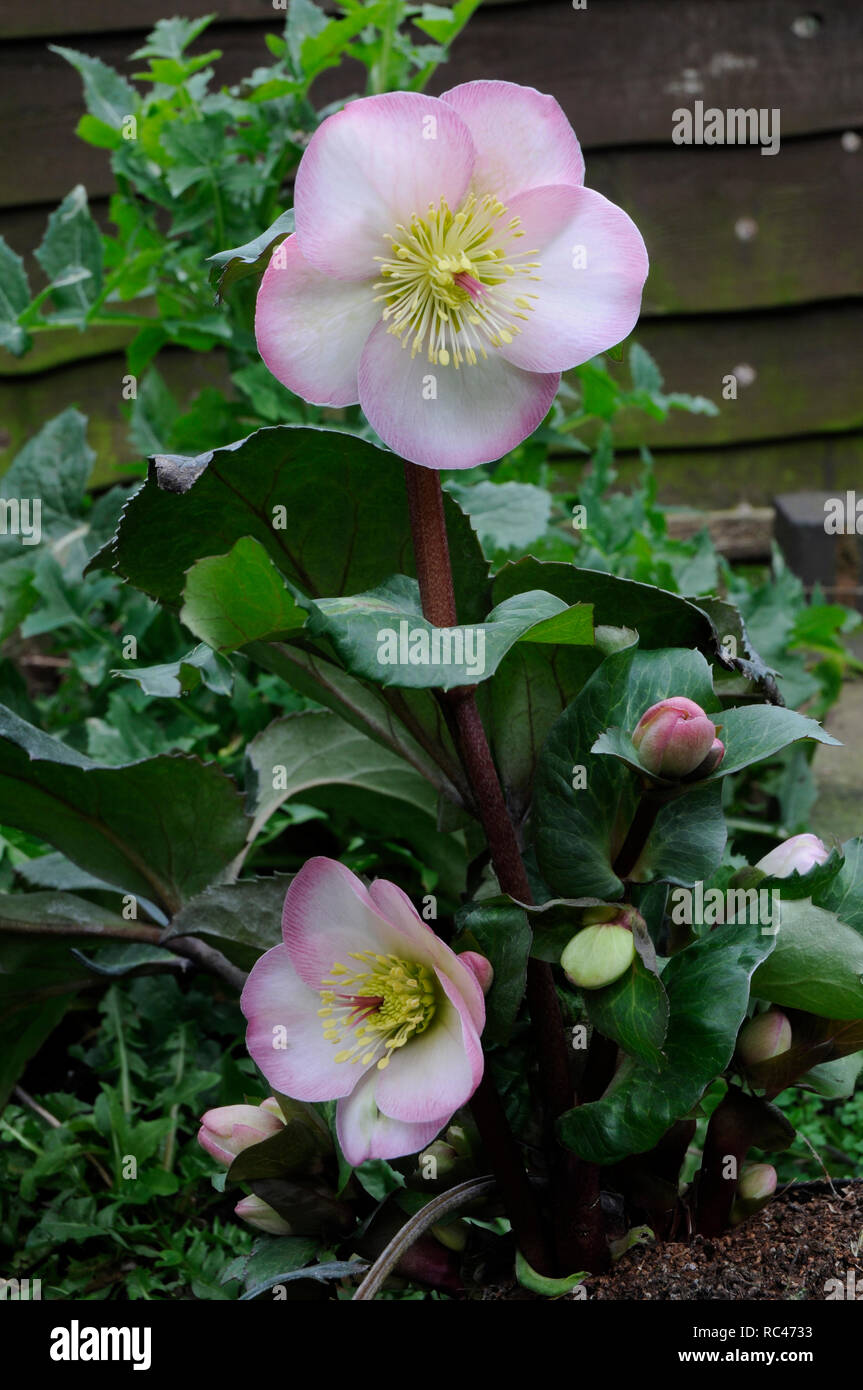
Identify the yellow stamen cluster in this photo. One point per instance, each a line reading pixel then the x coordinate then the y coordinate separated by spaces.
pixel 441 286
pixel 382 1002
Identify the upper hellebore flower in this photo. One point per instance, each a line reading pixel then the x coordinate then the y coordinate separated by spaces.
pixel 675 738
pixel 447 266
pixel 363 1003
pixel 799 854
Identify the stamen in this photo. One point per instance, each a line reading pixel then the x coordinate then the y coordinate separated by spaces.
pixel 381 1005
pixel 440 286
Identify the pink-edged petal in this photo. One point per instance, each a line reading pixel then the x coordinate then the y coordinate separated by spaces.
pixel 328 914
pixel 443 418
pixel 285 1036
pixel 593 265
pixel 365 1133
pixel 522 137
pixel 311 328
pixel 436 1071
pixel 396 906
pixel 374 165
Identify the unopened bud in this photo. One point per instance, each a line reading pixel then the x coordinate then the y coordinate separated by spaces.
pixel 756 1186
pixel 674 737
pixel 443 1159
pixel 757 1182
pixel 765 1036
pixel 229 1129
pixel 258 1213
pixel 801 853
pixel 598 955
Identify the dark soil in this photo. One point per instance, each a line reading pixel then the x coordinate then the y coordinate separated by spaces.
pixel 790 1250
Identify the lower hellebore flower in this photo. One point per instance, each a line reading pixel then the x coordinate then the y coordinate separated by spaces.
pixel 799 854
pixel 447 265
pixel 362 1003
pixel 675 738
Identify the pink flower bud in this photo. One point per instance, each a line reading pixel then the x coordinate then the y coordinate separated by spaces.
pixel 480 967
pixel 757 1182
pixel 801 852
pixel 258 1213
pixel 229 1129
pixel 674 737
pixel 765 1036
pixel 714 757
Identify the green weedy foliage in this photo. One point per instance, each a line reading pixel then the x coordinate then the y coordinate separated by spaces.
pixel 193 704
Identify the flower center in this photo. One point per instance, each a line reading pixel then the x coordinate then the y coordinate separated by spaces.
pixel 377 1005
pixel 447 285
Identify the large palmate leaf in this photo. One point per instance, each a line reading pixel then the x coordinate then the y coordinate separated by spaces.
pixel 579 830
pixel 708 991
pixel 38 981
pixel 817 964
pixel 661 619
pixel 530 689
pixel 383 637
pixel 231 600
pixel 329 508
pixel 316 755
pixel 409 723
pixel 162 828
pixel 245 918
pixel 844 894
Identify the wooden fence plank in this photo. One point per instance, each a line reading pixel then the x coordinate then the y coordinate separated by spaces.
pixel 620 68
pixel 802 384
pixel 721 235
pixel 741 473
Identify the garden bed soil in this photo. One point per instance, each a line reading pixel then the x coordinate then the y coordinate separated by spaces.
pixel 809 1235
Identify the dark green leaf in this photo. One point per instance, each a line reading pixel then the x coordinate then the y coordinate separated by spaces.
pixel 499 931
pixel 708 990
pixel 230 600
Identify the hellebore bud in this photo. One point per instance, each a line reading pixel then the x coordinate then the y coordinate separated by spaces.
pixel 480 967
pixel 674 738
pixel 437 1160
pixel 258 1213
pixel 714 757
pixel 800 853
pixel 756 1186
pixel 757 1182
pixel 229 1129
pixel 602 951
pixel 765 1036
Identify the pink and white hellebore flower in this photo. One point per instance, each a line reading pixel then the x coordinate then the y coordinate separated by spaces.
pixel 447 265
pixel 363 1004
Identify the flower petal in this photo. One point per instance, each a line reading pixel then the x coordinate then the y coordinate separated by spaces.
pixel 328 914
pixel 522 137
pixel 477 413
pixel 396 906
pixel 364 1132
pixel 285 1036
pixel 311 328
pixel 371 166
pixel 436 1072
pixel 593 264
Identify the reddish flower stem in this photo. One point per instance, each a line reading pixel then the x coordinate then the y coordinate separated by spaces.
pixel 575 1186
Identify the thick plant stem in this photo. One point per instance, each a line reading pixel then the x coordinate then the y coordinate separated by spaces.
pixel 578 1231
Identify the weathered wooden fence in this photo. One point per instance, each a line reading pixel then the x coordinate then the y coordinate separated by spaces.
pixel 756 260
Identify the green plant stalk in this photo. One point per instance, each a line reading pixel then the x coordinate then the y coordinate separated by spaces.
pixel 125 1087
pixel 171 1136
